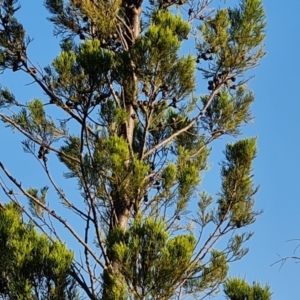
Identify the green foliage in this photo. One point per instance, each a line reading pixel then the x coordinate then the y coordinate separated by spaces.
pixel 119 153
pixel 136 136
pixel 6 97
pixel 209 275
pixel 54 6
pixel 80 70
pixel 34 121
pixel 216 271
pixel 31 266
pixel 93 59
pixel 36 109
pixel 234 35
pixel 175 23
pixel 104 16
pixel 64 63
pixel 35 208
pixel 239 289
pixel 112 160
pixel 159 46
pixel 228 112
pixel 188 175
pixel 147 254
pixel 236 198
pixel 169 176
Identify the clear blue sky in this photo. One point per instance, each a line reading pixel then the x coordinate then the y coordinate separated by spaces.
pixel 276 125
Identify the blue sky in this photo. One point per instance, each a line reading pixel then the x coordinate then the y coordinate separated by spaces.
pixel 276 125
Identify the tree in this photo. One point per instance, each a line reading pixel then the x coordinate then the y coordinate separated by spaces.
pixel 136 137
pixel 239 289
pixel 32 267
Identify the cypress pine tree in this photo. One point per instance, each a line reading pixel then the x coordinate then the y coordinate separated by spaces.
pixel 136 136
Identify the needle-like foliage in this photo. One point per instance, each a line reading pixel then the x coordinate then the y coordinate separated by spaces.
pixel 32 266
pixel 135 129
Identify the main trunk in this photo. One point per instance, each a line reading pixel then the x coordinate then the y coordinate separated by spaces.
pixel 112 280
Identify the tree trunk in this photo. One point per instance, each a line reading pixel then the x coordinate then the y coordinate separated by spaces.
pixel 122 206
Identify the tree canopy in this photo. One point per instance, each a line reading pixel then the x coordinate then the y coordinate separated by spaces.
pixel 135 130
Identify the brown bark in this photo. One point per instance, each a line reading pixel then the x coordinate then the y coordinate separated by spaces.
pixel 122 207
pixel 133 12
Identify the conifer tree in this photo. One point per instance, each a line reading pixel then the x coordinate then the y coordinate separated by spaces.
pixel 136 135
